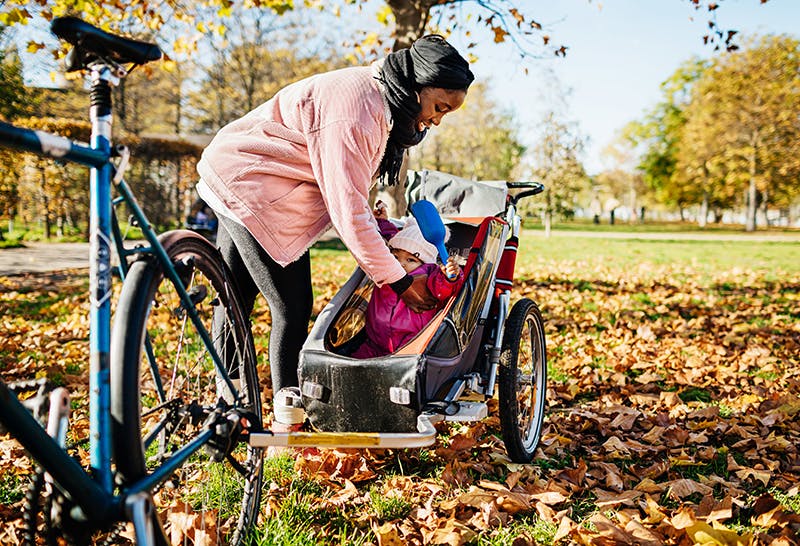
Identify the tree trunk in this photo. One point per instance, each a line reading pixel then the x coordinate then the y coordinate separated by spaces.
pixel 752 190
pixel 46 204
pixel 752 195
pixel 703 219
pixel 548 213
pixel 410 20
pixel 548 223
pixel 632 219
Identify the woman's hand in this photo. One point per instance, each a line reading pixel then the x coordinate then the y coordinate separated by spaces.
pixel 417 296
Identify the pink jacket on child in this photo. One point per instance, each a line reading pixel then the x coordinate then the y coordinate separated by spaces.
pixel 304 160
pixel 391 324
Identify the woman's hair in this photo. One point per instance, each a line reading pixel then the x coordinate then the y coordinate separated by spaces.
pixel 429 62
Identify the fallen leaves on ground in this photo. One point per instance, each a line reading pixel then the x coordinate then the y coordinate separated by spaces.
pixel 673 417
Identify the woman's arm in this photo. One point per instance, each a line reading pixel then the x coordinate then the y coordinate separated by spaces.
pixel 341 155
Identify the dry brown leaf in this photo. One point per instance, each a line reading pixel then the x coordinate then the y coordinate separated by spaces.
pixel 566 528
pixel 607 498
pixel 684 487
pixel 388 535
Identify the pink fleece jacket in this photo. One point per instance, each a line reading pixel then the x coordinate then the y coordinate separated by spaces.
pixel 304 160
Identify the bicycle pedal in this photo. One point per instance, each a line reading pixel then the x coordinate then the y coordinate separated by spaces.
pixel 39 403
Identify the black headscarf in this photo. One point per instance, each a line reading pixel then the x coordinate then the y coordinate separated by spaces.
pixel 429 62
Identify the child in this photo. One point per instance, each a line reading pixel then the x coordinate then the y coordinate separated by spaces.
pixel 390 324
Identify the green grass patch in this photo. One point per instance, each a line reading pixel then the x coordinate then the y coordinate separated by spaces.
pixel 12 488
pixel 535 531
pixel 388 507
pixel 788 502
pixel 718 465
pixel 624 254
pixel 695 394
pixel 301 518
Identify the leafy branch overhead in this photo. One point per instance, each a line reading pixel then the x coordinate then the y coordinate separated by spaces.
pixel 499 20
pixel 717 36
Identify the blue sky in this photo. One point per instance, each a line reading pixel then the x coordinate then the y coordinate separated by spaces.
pixel 619 53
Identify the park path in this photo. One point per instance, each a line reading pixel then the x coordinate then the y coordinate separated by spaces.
pixel 45 257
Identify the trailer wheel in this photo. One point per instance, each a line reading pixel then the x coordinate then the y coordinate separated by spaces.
pixel 523 381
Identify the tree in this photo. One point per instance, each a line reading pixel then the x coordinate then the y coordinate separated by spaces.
pixel 254 60
pixel 15 102
pixel 556 163
pixel 623 182
pixel 659 133
pixel 502 20
pixel 478 141
pixel 154 100
pixel 743 130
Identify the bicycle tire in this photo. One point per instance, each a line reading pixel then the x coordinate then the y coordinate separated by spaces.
pixel 522 384
pixel 149 312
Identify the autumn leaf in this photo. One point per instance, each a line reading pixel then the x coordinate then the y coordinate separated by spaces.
pixel 499 34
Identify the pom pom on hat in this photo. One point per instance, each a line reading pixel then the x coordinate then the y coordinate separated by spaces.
pixel 411 240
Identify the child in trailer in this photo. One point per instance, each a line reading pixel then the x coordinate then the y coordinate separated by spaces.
pixel 390 323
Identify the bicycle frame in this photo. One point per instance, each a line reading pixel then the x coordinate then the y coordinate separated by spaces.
pixel 94 492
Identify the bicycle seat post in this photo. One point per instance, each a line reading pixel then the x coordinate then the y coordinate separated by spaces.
pixel 104 76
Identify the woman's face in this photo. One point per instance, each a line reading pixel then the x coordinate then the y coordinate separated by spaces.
pixel 435 103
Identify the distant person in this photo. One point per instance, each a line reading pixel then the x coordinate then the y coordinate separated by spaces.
pixel 611 206
pixel 597 210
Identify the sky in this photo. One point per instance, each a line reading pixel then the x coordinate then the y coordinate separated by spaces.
pixel 619 52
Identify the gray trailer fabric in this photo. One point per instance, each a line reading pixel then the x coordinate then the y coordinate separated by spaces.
pixel 455 196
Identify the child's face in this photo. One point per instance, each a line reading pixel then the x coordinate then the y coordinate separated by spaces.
pixel 406 259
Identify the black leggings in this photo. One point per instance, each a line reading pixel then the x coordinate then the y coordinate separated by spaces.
pixel 287 290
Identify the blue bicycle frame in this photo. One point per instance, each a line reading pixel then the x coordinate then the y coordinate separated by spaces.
pixel 94 492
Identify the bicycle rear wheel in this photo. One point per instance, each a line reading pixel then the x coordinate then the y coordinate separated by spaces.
pixel 522 383
pixel 164 387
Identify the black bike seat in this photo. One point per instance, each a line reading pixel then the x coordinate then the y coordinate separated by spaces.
pixel 92 43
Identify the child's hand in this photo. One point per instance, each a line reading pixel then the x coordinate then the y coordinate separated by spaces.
pixel 451 268
pixel 380 210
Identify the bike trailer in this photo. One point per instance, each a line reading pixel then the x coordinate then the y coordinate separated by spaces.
pixel 388 393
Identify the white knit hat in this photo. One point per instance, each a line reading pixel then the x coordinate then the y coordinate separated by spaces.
pixel 411 240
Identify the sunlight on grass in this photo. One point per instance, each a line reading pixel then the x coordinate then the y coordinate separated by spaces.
pixel 536 531
pixel 388 506
pixel 624 254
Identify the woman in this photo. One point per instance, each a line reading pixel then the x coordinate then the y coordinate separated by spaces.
pixel 281 175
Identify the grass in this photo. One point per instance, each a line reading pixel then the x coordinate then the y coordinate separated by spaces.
pixel 526 530
pixel 579 224
pixel 592 268
pixel 387 506
pixel 12 489
pixel 626 253
pixel 299 518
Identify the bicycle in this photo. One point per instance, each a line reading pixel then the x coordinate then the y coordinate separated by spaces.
pixel 174 389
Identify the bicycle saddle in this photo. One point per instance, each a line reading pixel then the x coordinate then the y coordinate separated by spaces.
pixel 92 44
